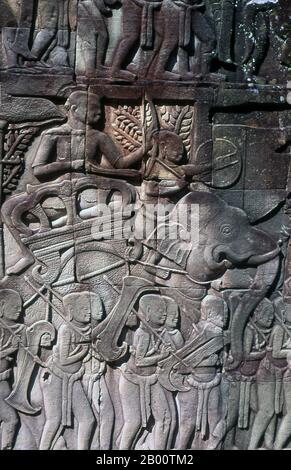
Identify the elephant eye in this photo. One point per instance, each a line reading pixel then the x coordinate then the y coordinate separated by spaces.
pixel 226 229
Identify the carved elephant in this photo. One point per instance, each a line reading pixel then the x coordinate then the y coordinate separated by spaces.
pixel 225 240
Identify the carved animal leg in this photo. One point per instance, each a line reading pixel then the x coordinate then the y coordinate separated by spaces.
pixel 130 401
pixel 9 418
pixel 225 31
pixel 84 415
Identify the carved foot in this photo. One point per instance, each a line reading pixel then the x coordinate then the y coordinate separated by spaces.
pixel 21 265
pixel 166 75
pixel 122 75
pixel 22 49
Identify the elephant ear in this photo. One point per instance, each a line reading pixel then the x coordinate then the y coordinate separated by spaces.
pixel 261 206
pixel 209 205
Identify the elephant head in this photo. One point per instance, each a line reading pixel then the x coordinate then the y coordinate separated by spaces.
pixel 227 240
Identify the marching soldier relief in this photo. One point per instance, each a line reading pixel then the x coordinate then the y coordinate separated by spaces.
pixel 145 256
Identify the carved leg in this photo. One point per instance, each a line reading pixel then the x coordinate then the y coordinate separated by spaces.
pixel 20 44
pixel 130 401
pixel 52 399
pixel 162 416
pixel 27 258
pixel 188 410
pixel 49 12
pixel 8 417
pixel 266 393
pixel 284 431
pixel 84 415
pixel 106 416
pixel 131 25
pixel 232 411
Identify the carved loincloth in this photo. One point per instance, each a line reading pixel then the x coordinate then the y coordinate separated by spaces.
pixel 185 19
pixel 68 381
pixel 147 29
pixel 271 370
pixel 203 389
pixel 144 383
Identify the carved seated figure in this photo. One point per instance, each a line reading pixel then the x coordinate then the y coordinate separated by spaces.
pixel 63 154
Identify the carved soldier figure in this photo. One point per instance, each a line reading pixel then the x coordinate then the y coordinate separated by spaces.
pixel 95 383
pixel 200 409
pixel 173 337
pixel 53 18
pixel 11 334
pixel 63 393
pixel 270 376
pixel 93 36
pixel 241 386
pixel 283 433
pixel 137 28
pixel 140 392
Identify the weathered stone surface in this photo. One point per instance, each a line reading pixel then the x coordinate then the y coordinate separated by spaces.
pixel 145 274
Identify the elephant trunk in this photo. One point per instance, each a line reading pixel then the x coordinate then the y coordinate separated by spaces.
pixel 265 276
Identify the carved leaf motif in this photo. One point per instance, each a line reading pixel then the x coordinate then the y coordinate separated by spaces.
pixel 179 120
pixel 17 142
pixel 127 127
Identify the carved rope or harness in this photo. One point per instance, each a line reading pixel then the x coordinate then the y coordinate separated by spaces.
pixel 147 25
pixel 185 19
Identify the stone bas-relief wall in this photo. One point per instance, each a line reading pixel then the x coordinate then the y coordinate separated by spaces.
pixel 145 271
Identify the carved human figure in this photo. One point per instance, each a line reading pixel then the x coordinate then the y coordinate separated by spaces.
pixel 283 432
pixel 180 35
pixel 68 149
pixel 53 18
pixel 140 392
pixel 200 407
pixel 63 393
pixel 241 383
pixel 93 36
pixel 95 384
pixel 173 337
pixel 12 333
pixel 269 379
pixel 137 29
